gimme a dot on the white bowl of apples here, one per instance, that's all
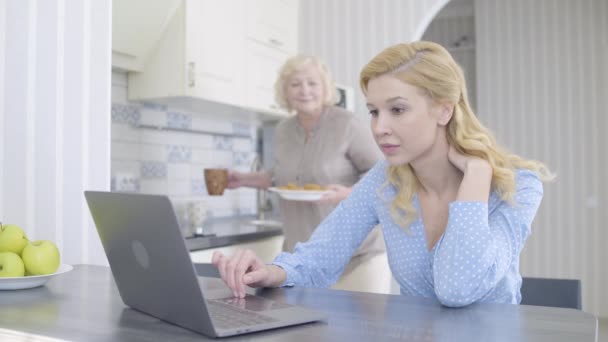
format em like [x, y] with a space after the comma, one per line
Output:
[25, 264]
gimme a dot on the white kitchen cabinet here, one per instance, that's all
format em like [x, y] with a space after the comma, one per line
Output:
[227, 52]
[267, 249]
[274, 23]
[263, 64]
[199, 55]
[272, 37]
[135, 31]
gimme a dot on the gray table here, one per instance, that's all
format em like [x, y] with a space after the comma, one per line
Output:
[84, 305]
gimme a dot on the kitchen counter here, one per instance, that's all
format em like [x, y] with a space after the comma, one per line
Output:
[232, 231]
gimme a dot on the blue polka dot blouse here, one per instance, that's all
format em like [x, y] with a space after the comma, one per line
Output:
[476, 259]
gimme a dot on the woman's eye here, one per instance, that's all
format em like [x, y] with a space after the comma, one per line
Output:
[373, 112]
[398, 110]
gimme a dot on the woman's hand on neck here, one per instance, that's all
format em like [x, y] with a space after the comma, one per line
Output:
[477, 176]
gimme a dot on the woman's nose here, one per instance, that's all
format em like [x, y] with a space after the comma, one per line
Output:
[304, 88]
[381, 125]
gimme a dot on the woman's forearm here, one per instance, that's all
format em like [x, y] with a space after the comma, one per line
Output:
[260, 180]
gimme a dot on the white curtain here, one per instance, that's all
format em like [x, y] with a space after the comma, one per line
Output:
[55, 73]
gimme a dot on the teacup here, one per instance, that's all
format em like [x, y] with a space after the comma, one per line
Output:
[216, 181]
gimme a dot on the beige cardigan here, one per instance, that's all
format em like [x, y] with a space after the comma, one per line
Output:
[339, 150]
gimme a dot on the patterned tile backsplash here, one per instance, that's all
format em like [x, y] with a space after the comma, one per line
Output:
[157, 149]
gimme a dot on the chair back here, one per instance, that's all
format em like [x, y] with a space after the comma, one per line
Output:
[561, 293]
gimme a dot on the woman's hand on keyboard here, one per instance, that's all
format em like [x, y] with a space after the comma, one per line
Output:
[246, 268]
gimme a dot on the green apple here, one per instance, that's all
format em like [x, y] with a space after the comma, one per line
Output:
[40, 257]
[11, 265]
[12, 238]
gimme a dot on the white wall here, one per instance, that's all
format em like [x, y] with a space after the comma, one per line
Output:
[346, 34]
[542, 87]
[55, 119]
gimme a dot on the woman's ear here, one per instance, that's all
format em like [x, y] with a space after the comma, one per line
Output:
[445, 113]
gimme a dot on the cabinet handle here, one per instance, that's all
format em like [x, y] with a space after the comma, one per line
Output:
[275, 42]
[191, 74]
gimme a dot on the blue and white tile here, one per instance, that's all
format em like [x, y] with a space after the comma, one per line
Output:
[178, 187]
[153, 117]
[154, 186]
[242, 168]
[212, 158]
[242, 159]
[196, 171]
[153, 136]
[125, 113]
[153, 152]
[178, 154]
[209, 125]
[124, 132]
[178, 138]
[124, 150]
[243, 145]
[179, 120]
[125, 166]
[153, 169]
[200, 140]
[197, 187]
[125, 182]
[178, 171]
[247, 204]
[240, 128]
[221, 142]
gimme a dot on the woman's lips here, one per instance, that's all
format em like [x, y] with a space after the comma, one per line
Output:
[389, 149]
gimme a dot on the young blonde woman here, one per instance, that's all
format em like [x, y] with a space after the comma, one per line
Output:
[455, 208]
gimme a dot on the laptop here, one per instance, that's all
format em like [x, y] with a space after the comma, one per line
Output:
[155, 275]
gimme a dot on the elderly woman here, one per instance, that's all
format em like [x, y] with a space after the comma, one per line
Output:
[321, 144]
[455, 207]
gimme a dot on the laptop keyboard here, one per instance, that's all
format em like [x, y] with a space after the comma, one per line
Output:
[227, 316]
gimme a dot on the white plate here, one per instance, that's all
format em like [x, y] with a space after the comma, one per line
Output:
[300, 195]
[18, 283]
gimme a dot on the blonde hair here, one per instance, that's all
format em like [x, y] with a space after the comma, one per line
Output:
[296, 63]
[432, 69]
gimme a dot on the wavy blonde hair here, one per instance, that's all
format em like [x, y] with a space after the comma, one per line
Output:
[296, 63]
[432, 69]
